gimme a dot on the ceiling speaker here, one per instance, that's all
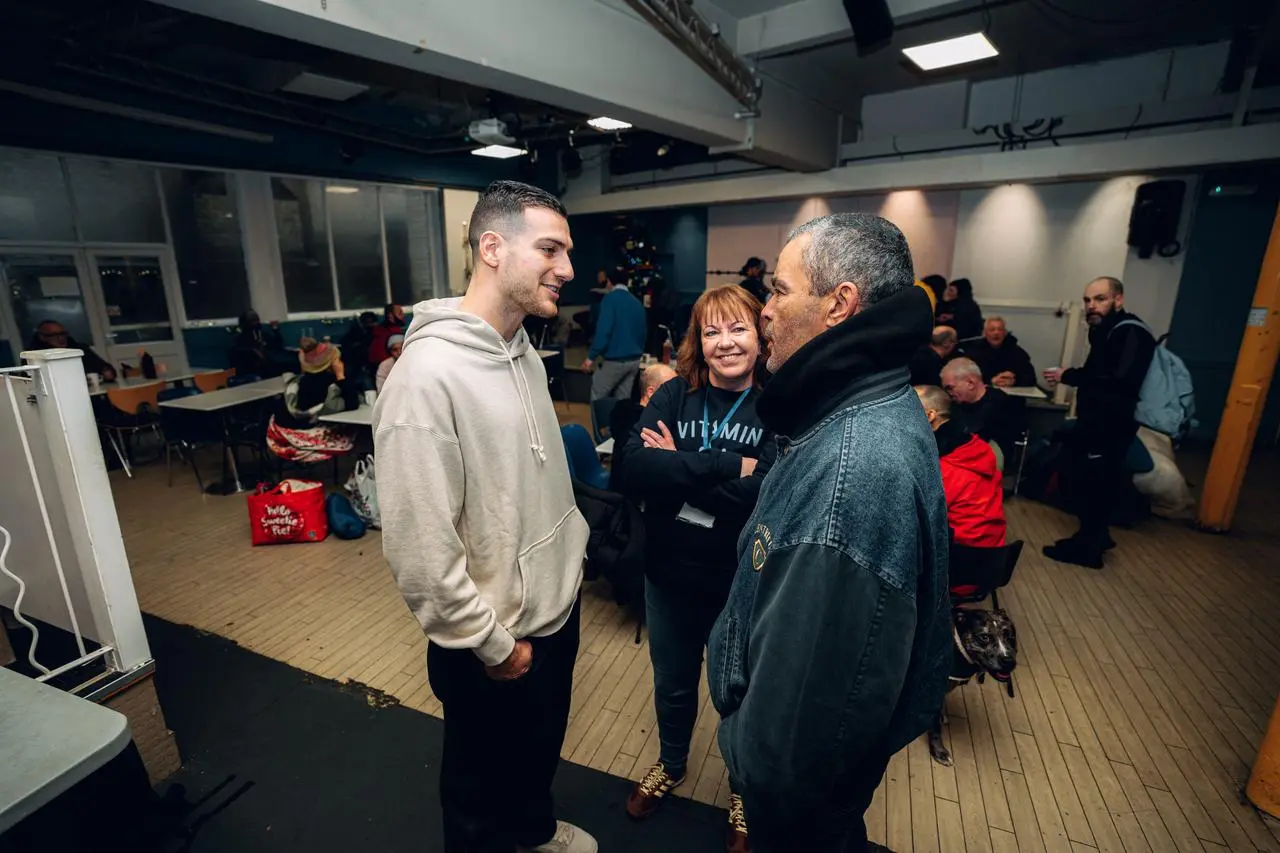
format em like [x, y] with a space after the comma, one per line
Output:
[872, 24]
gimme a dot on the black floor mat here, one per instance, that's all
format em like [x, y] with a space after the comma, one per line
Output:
[276, 759]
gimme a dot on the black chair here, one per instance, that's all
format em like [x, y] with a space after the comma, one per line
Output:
[601, 411]
[984, 569]
[186, 432]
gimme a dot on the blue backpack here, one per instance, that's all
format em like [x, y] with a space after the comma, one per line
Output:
[1167, 399]
[343, 521]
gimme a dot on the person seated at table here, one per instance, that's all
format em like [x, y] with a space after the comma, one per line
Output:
[926, 364]
[51, 334]
[959, 310]
[392, 324]
[1004, 364]
[295, 431]
[985, 411]
[357, 340]
[626, 414]
[258, 350]
[395, 346]
[970, 479]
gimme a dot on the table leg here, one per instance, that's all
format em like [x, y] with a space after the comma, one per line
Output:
[229, 483]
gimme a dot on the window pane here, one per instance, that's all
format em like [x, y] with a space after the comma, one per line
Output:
[357, 246]
[45, 287]
[205, 223]
[304, 245]
[133, 288]
[34, 204]
[116, 202]
[411, 217]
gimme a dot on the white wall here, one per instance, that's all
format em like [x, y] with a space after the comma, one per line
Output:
[737, 232]
[1028, 249]
[458, 205]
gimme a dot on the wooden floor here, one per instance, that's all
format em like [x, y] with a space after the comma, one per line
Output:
[1142, 690]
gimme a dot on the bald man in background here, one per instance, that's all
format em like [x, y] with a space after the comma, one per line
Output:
[627, 412]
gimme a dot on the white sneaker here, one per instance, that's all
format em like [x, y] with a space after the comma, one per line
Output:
[568, 839]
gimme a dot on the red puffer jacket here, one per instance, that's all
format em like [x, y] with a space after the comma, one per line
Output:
[975, 496]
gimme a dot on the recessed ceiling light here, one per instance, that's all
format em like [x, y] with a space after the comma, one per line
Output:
[498, 152]
[341, 190]
[606, 123]
[949, 52]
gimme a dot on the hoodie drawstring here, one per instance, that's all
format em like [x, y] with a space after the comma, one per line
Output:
[526, 402]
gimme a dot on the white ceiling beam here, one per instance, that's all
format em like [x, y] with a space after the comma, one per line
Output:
[597, 58]
[1199, 149]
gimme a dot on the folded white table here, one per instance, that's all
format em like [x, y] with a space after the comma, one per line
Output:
[49, 741]
[362, 416]
[220, 402]
[1028, 391]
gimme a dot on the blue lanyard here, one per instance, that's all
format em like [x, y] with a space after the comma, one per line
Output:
[724, 422]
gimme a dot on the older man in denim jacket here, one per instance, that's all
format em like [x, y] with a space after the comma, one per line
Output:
[833, 650]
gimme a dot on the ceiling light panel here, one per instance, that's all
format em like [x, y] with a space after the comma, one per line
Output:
[950, 52]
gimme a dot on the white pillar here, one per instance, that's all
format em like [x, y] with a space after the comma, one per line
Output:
[80, 471]
[261, 246]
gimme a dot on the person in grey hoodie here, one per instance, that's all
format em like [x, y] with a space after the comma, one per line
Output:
[480, 528]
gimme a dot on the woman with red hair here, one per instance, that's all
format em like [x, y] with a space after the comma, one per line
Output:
[696, 459]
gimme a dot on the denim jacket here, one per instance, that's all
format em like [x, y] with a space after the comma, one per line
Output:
[833, 650]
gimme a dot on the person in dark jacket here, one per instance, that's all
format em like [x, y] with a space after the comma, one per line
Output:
[355, 346]
[926, 365]
[753, 279]
[984, 411]
[1004, 364]
[258, 349]
[51, 334]
[959, 310]
[626, 413]
[970, 478]
[833, 650]
[1107, 389]
[696, 458]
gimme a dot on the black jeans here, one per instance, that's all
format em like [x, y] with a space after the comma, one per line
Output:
[680, 621]
[1100, 480]
[502, 743]
[838, 826]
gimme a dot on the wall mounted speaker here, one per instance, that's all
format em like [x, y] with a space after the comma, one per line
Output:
[1153, 223]
[872, 24]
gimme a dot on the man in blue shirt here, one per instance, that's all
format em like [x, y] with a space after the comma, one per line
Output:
[620, 337]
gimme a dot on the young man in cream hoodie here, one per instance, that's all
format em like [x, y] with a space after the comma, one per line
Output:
[481, 531]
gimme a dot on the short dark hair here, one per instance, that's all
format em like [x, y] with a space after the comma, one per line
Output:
[1117, 286]
[867, 250]
[503, 203]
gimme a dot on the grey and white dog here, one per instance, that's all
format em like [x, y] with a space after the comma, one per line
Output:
[985, 643]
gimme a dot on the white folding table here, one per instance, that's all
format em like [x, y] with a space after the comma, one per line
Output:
[220, 402]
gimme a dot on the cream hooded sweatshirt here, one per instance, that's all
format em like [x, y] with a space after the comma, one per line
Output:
[479, 524]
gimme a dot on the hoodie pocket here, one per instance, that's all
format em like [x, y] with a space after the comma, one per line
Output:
[550, 572]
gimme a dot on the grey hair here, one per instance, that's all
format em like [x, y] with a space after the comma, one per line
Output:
[1117, 286]
[995, 319]
[963, 368]
[935, 398]
[943, 335]
[868, 251]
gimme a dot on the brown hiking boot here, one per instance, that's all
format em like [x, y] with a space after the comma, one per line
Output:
[649, 792]
[735, 838]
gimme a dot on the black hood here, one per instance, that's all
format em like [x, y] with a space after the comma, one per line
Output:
[950, 435]
[822, 374]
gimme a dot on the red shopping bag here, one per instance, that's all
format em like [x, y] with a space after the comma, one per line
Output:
[290, 512]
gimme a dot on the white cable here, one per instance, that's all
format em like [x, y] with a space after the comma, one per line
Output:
[17, 604]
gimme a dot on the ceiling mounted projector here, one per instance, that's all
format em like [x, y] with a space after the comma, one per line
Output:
[490, 131]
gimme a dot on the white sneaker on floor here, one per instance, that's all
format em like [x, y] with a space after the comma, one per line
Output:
[568, 839]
